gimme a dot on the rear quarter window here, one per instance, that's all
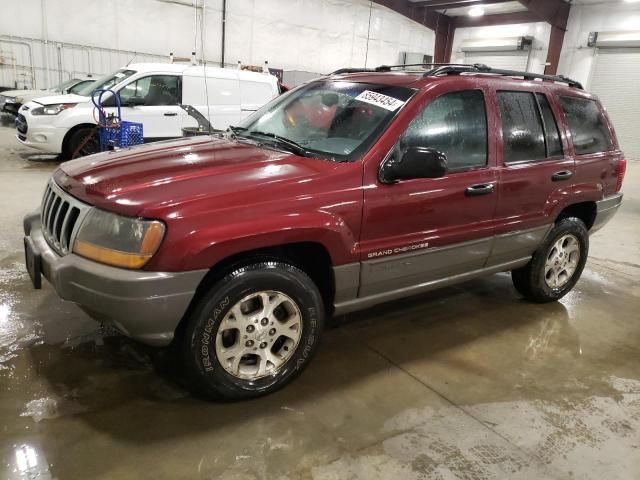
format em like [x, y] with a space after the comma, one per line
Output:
[589, 130]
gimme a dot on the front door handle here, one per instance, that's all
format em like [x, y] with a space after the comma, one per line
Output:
[561, 175]
[170, 114]
[480, 189]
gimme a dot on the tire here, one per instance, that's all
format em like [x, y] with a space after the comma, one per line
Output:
[550, 276]
[78, 145]
[223, 344]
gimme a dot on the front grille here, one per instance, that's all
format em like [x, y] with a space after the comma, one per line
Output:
[61, 216]
[21, 124]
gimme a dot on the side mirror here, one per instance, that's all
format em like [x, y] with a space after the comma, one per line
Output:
[135, 101]
[414, 162]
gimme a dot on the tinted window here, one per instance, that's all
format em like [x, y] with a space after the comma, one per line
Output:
[454, 124]
[522, 129]
[588, 128]
[155, 89]
[552, 136]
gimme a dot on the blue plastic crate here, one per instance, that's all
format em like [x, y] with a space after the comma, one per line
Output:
[115, 132]
[123, 134]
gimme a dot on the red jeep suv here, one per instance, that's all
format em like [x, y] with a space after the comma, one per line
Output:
[346, 192]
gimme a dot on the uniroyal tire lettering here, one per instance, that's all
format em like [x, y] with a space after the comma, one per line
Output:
[206, 336]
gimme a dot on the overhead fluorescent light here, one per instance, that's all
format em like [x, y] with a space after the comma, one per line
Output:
[477, 12]
[632, 1]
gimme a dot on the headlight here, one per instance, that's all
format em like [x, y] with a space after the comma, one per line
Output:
[116, 240]
[52, 109]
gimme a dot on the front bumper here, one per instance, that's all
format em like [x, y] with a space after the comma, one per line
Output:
[146, 306]
[38, 132]
[606, 209]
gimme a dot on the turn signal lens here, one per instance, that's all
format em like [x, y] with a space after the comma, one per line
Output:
[119, 241]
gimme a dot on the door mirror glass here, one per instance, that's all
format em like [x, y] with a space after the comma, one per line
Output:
[414, 162]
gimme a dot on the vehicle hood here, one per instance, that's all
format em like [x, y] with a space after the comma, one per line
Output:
[153, 180]
[22, 93]
[55, 99]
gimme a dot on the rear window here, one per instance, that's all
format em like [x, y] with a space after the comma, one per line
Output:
[588, 128]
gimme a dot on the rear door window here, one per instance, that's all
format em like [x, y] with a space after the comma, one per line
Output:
[589, 130]
[454, 124]
[522, 128]
[551, 133]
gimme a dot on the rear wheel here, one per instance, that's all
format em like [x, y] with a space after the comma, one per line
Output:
[253, 332]
[557, 265]
[82, 142]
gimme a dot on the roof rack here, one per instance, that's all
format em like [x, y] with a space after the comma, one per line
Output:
[458, 68]
[388, 68]
[481, 68]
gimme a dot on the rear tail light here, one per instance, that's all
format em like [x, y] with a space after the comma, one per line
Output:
[622, 168]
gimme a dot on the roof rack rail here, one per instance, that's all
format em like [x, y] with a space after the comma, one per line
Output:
[352, 70]
[453, 69]
[458, 68]
[388, 68]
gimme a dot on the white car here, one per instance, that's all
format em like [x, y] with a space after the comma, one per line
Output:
[12, 100]
[165, 98]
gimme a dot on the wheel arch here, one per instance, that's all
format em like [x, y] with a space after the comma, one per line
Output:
[72, 130]
[311, 257]
[585, 211]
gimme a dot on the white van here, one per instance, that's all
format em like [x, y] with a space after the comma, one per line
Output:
[154, 94]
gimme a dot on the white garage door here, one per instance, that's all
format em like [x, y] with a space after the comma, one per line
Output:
[615, 78]
[506, 60]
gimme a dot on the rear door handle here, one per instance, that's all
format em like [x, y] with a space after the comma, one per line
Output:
[480, 189]
[561, 175]
[170, 114]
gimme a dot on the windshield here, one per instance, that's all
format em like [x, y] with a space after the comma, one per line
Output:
[338, 120]
[107, 81]
[60, 88]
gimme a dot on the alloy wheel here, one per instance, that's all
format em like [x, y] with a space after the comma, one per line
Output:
[562, 261]
[258, 335]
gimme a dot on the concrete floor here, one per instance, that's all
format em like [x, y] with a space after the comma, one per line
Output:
[468, 382]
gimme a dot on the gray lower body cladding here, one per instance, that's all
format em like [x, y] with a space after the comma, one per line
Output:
[368, 283]
[146, 306]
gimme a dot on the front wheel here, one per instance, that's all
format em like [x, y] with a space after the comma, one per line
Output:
[84, 141]
[557, 265]
[253, 332]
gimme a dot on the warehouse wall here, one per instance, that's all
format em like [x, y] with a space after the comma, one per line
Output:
[576, 58]
[539, 31]
[311, 35]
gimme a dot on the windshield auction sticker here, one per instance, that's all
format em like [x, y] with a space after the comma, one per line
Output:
[380, 100]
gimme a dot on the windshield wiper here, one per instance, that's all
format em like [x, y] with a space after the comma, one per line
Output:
[290, 145]
[236, 130]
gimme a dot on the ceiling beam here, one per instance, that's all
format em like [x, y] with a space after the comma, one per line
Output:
[443, 4]
[430, 19]
[554, 12]
[491, 20]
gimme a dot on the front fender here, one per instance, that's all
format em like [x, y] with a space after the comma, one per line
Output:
[208, 246]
